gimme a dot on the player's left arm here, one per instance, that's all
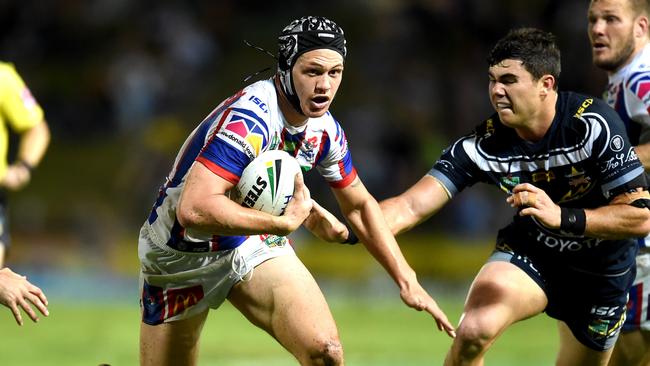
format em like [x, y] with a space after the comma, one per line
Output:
[626, 216]
[363, 213]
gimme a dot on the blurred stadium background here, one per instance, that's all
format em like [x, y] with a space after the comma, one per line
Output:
[122, 84]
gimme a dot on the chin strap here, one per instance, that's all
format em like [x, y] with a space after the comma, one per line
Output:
[292, 98]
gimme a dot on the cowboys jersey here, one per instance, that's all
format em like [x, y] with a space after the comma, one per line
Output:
[584, 160]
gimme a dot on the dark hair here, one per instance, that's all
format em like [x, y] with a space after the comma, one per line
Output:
[535, 48]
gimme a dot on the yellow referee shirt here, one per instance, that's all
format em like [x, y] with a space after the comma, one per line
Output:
[18, 109]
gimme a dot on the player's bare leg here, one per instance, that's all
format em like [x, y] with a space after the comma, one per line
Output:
[283, 299]
[500, 295]
[573, 353]
[2, 255]
[632, 349]
[171, 344]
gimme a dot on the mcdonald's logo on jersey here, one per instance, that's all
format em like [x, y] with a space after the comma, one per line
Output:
[248, 130]
[181, 299]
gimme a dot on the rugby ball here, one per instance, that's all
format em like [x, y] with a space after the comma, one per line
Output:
[267, 182]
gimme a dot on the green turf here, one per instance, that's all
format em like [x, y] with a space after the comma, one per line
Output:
[374, 333]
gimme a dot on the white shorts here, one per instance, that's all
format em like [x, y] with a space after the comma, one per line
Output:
[177, 285]
[637, 306]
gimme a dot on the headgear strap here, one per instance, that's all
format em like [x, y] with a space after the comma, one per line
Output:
[300, 36]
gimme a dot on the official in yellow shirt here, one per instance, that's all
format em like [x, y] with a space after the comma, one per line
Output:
[19, 112]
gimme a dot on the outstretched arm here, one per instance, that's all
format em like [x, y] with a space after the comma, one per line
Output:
[364, 215]
[401, 212]
[415, 205]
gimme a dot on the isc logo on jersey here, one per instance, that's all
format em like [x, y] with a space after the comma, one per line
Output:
[267, 183]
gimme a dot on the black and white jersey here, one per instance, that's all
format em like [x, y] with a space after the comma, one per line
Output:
[584, 160]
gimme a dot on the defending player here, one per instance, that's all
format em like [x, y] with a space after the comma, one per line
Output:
[565, 162]
[618, 31]
[198, 247]
[20, 112]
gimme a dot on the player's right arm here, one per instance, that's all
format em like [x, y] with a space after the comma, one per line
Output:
[204, 205]
[415, 205]
[451, 173]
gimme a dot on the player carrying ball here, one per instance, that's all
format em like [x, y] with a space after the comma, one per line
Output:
[199, 248]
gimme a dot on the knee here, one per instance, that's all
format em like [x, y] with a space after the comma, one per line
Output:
[473, 338]
[326, 352]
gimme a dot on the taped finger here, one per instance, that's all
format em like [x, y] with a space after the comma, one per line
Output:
[525, 198]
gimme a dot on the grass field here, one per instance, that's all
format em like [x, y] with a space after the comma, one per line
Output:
[378, 333]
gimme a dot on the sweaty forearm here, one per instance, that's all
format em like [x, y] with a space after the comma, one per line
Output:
[417, 204]
[396, 215]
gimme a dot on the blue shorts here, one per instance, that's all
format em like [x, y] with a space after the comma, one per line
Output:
[593, 305]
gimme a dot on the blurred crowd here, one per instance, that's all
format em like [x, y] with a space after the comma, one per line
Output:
[123, 82]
